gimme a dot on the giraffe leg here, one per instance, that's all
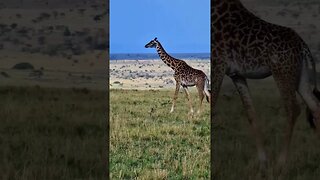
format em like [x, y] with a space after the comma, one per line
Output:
[175, 96]
[217, 72]
[189, 99]
[306, 92]
[293, 110]
[313, 104]
[244, 92]
[287, 86]
[201, 96]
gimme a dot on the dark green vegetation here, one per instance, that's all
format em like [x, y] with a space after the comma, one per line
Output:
[146, 142]
[52, 133]
[234, 146]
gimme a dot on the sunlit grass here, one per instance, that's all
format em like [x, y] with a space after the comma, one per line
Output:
[148, 142]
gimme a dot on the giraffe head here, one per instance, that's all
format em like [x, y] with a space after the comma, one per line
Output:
[152, 44]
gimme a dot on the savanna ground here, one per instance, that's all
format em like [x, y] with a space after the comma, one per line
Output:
[147, 142]
[66, 42]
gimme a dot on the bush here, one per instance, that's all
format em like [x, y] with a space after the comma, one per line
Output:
[23, 66]
[66, 32]
[52, 50]
[13, 25]
[4, 74]
[41, 40]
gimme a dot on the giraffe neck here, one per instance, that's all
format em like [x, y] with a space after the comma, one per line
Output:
[165, 57]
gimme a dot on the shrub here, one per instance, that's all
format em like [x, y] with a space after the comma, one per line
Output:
[66, 32]
[23, 66]
[41, 40]
[13, 25]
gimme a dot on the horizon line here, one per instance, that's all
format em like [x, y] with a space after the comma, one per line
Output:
[156, 53]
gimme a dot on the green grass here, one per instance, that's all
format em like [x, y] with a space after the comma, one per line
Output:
[146, 142]
[234, 147]
[48, 133]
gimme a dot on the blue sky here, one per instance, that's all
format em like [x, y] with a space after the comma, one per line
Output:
[182, 26]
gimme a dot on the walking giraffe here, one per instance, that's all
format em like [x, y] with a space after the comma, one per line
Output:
[184, 75]
[245, 46]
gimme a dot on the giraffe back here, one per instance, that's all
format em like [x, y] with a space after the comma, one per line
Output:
[247, 43]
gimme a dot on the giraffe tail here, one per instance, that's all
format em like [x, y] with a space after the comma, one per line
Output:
[206, 90]
[309, 114]
[315, 92]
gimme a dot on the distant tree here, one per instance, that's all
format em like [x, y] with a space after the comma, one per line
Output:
[282, 13]
[55, 14]
[77, 50]
[95, 6]
[81, 11]
[23, 30]
[101, 46]
[50, 28]
[45, 15]
[67, 32]
[52, 50]
[41, 40]
[23, 65]
[295, 15]
[89, 40]
[4, 74]
[15, 41]
[13, 25]
[97, 17]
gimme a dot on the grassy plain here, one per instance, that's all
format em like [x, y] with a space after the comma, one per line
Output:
[146, 142]
[48, 133]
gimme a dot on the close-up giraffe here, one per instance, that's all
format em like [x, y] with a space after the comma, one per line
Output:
[244, 46]
[184, 75]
